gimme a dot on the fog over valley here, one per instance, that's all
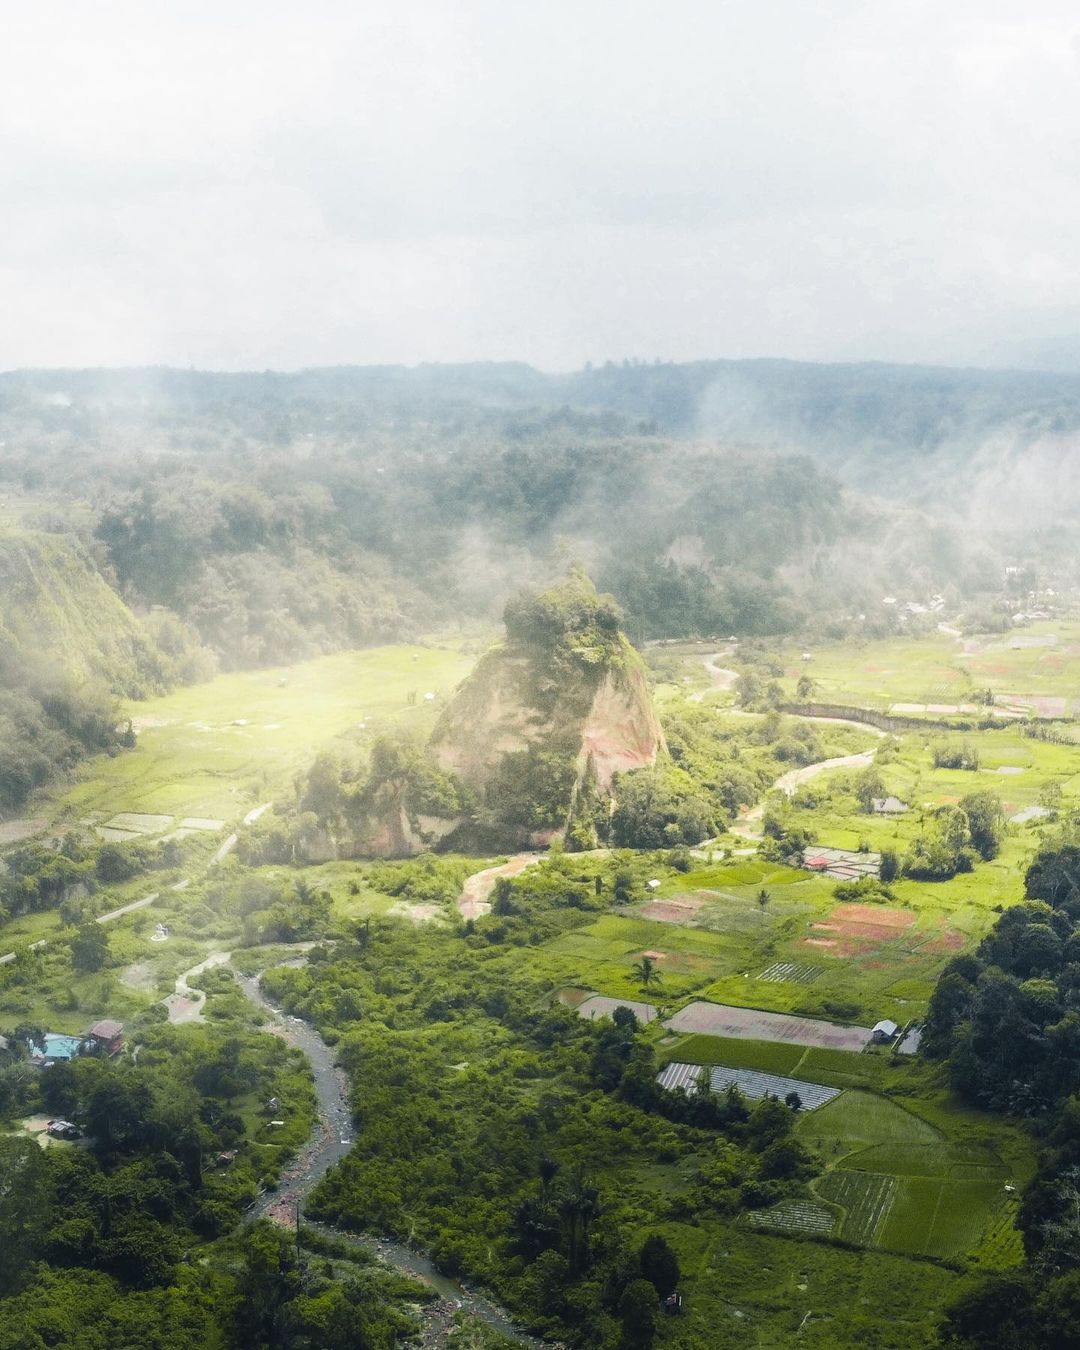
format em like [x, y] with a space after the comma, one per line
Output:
[539, 676]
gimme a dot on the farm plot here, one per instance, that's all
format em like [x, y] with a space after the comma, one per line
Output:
[930, 1217]
[139, 822]
[798, 1217]
[751, 1083]
[600, 1006]
[842, 1069]
[842, 863]
[769, 1056]
[865, 1199]
[790, 972]
[720, 1019]
[861, 1120]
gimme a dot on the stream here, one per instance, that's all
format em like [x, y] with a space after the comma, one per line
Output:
[331, 1138]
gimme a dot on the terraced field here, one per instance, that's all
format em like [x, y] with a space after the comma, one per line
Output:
[865, 1199]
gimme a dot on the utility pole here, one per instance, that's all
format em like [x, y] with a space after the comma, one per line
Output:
[298, 1263]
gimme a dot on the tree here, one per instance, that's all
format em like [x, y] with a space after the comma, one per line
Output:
[115, 863]
[986, 822]
[763, 898]
[868, 786]
[638, 1310]
[23, 1207]
[646, 973]
[659, 1265]
[90, 947]
[804, 690]
[992, 1314]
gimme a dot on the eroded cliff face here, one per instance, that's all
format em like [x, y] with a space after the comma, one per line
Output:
[622, 730]
[599, 717]
[536, 734]
[604, 712]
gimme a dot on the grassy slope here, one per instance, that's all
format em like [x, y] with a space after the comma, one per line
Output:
[195, 759]
[56, 607]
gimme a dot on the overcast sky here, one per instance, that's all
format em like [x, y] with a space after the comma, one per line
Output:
[239, 185]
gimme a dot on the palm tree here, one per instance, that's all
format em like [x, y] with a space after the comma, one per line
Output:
[646, 973]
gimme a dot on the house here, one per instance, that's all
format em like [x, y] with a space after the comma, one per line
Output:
[888, 806]
[884, 1032]
[107, 1036]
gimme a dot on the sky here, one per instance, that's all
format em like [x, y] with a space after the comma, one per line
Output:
[249, 185]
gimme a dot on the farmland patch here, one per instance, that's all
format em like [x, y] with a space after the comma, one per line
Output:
[719, 1019]
[865, 1198]
[804, 1218]
[791, 972]
[751, 1083]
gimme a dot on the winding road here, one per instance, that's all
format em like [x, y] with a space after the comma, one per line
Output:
[789, 783]
[722, 678]
[473, 902]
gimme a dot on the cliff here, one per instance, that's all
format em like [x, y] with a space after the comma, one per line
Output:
[550, 715]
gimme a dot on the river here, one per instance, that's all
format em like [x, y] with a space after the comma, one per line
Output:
[332, 1136]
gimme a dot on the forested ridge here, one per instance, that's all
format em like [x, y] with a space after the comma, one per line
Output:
[247, 520]
[1006, 1022]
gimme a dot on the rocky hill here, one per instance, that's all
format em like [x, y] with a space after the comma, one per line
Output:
[549, 716]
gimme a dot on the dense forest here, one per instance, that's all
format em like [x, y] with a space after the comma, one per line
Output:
[1006, 1022]
[190, 522]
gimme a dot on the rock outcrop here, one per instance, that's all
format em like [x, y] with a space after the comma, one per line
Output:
[548, 717]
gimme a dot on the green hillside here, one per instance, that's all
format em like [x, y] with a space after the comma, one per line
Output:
[68, 647]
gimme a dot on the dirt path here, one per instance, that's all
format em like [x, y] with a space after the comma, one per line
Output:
[789, 783]
[224, 851]
[473, 902]
[722, 678]
[128, 909]
[186, 1004]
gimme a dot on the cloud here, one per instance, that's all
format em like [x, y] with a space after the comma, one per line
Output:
[247, 184]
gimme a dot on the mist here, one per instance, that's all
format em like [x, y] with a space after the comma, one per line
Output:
[244, 186]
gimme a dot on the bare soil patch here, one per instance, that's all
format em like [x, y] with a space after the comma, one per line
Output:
[11, 831]
[416, 914]
[949, 941]
[873, 914]
[669, 911]
[574, 998]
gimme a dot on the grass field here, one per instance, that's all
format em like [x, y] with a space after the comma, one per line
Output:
[941, 668]
[217, 749]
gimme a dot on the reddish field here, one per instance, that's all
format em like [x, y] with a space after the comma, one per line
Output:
[859, 929]
[875, 914]
[834, 947]
[950, 941]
